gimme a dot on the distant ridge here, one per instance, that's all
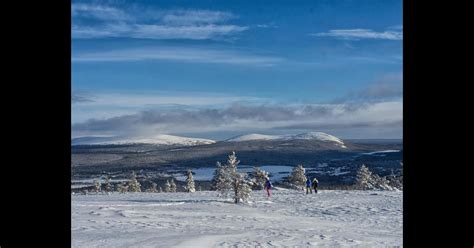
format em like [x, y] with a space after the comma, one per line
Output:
[165, 139]
[161, 139]
[302, 136]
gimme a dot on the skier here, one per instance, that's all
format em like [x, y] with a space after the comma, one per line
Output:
[268, 187]
[315, 185]
[308, 186]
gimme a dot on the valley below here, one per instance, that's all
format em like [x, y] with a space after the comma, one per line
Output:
[332, 163]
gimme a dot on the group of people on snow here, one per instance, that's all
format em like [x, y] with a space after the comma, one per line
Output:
[310, 186]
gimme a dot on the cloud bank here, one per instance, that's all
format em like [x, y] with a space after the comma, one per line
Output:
[373, 111]
[245, 117]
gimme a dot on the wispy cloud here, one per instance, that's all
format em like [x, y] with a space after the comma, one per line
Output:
[108, 21]
[184, 54]
[195, 17]
[160, 32]
[100, 12]
[81, 97]
[357, 34]
[136, 99]
[385, 88]
[396, 27]
[268, 25]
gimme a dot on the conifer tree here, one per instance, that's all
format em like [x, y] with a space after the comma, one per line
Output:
[133, 184]
[260, 177]
[241, 187]
[122, 188]
[167, 186]
[298, 177]
[364, 179]
[239, 184]
[221, 181]
[107, 185]
[172, 185]
[226, 178]
[152, 188]
[381, 183]
[190, 187]
[96, 186]
[395, 181]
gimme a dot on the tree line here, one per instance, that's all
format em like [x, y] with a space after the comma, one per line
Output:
[229, 182]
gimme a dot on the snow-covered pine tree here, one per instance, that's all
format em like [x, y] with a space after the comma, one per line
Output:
[381, 182]
[122, 188]
[260, 177]
[216, 176]
[298, 177]
[227, 178]
[152, 188]
[242, 187]
[107, 185]
[172, 185]
[96, 186]
[167, 186]
[395, 181]
[232, 163]
[221, 181]
[364, 179]
[133, 184]
[190, 187]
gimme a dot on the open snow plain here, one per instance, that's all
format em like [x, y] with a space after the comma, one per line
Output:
[331, 218]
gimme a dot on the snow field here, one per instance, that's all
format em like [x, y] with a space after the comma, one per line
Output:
[289, 218]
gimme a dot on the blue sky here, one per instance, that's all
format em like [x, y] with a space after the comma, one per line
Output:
[175, 60]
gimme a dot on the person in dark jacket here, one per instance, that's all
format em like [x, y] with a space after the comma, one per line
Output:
[268, 187]
[315, 185]
[308, 186]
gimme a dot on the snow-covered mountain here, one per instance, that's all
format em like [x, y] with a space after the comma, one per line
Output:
[161, 139]
[165, 139]
[253, 136]
[302, 136]
[316, 136]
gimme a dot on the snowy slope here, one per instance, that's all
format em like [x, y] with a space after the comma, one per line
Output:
[254, 136]
[201, 219]
[379, 152]
[161, 139]
[164, 139]
[303, 136]
[316, 136]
